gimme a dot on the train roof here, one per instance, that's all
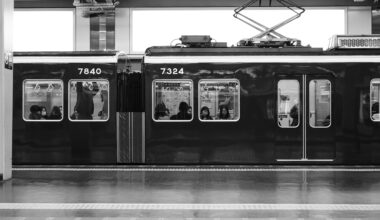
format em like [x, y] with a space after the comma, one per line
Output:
[243, 51]
[68, 57]
[67, 53]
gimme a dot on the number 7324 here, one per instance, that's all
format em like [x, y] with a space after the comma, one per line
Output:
[171, 71]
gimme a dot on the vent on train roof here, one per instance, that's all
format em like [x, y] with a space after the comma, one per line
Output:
[198, 41]
[354, 42]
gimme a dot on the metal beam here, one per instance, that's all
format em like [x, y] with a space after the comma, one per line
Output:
[6, 88]
[190, 3]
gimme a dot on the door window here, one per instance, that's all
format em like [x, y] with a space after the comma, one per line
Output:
[288, 103]
[375, 99]
[320, 103]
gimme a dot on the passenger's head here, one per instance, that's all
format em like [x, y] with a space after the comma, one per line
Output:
[160, 111]
[43, 111]
[35, 109]
[183, 107]
[205, 111]
[223, 112]
[56, 111]
[189, 110]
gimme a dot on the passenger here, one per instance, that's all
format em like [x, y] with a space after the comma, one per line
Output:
[161, 112]
[326, 122]
[190, 110]
[375, 111]
[35, 112]
[103, 114]
[44, 115]
[55, 113]
[182, 114]
[84, 106]
[205, 113]
[294, 115]
[224, 114]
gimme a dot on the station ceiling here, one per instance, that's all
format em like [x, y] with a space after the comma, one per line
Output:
[192, 3]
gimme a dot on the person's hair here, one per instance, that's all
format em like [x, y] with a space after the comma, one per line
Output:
[205, 108]
[35, 108]
[160, 110]
[221, 114]
[55, 111]
[183, 107]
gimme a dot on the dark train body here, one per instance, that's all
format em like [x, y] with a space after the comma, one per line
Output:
[50, 80]
[336, 84]
[265, 106]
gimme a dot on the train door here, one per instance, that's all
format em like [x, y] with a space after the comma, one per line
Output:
[305, 130]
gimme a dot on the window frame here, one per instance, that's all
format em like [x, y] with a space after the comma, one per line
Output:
[23, 100]
[191, 99]
[299, 103]
[319, 127]
[69, 100]
[199, 100]
[370, 99]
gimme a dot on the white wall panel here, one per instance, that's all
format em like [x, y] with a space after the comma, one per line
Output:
[359, 20]
[122, 29]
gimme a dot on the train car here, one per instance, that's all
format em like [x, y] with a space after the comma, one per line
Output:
[247, 105]
[64, 108]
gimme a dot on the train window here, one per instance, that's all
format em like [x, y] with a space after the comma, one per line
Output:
[88, 100]
[43, 100]
[288, 103]
[320, 103]
[219, 100]
[172, 100]
[375, 99]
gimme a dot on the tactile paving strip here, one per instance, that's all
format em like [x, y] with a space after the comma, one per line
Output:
[156, 206]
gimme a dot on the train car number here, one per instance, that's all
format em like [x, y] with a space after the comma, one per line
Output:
[171, 71]
[90, 71]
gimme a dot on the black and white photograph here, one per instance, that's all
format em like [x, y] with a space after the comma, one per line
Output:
[179, 109]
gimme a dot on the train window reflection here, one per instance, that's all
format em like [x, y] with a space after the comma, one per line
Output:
[375, 99]
[88, 100]
[219, 100]
[288, 106]
[172, 100]
[320, 103]
[43, 100]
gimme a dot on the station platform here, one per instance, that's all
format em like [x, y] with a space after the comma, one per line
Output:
[191, 192]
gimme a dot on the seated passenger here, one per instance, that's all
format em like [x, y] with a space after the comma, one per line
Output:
[224, 114]
[190, 110]
[35, 112]
[161, 112]
[205, 113]
[55, 113]
[326, 122]
[375, 111]
[182, 114]
[43, 113]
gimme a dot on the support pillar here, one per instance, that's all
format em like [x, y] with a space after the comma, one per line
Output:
[6, 88]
